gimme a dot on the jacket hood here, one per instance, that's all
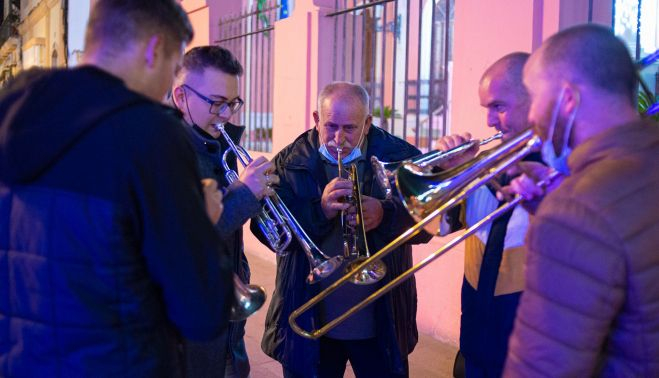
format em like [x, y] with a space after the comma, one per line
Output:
[44, 112]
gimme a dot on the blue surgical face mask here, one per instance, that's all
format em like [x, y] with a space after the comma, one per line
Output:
[559, 161]
[354, 155]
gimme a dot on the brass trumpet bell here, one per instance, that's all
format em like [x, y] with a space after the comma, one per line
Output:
[322, 268]
[368, 275]
[249, 298]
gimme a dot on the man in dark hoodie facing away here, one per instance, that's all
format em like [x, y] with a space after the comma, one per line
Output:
[106, 250]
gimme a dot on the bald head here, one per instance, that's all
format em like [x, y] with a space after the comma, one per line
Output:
[508, 72]
[502, 92]
[591, 55]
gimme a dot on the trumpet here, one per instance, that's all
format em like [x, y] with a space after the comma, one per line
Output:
[276, 220]
[270, 221]
[248, 299]
[385, 171]
[427, 196]
[375, 271]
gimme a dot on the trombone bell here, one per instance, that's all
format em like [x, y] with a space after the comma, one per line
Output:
[422, 192]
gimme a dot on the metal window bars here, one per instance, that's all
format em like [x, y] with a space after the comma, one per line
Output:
[249, 36]
[400, 51]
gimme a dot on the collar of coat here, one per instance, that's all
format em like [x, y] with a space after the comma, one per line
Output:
[204, 141]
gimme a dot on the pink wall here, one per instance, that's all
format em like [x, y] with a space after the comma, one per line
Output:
[198, 13]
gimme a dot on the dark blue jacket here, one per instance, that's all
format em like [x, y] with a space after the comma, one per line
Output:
[303, 178]
[239, 206]
[106, 251]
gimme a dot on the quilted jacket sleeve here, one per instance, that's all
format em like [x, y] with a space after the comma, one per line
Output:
[575, 287]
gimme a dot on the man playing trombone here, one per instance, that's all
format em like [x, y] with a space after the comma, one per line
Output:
[591, 299]
[205, 90]
[494, 258]
[377, 339]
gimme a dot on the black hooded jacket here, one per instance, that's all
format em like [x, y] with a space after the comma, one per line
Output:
[104, 239]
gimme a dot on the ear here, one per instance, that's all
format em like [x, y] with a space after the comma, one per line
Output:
[152, 50]
[571, 99]
[316, 118]
[178, 97]
[367, 124]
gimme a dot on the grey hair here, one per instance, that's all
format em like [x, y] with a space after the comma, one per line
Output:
[345, 88]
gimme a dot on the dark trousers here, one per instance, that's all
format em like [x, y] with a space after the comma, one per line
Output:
[478, 371]
[365, 356]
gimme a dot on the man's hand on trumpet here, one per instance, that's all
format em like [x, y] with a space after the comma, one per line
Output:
[258, 178]
[333, 199]
[528, 174]
[451, 141]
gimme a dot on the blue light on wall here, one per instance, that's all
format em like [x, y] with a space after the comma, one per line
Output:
[283, 10]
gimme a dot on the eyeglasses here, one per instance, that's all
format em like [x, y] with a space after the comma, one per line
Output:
[220, 106]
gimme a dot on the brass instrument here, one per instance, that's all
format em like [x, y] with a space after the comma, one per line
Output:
[249, 298]
[385, 171]
[427, 196]
[276, 216]
[351, 251]
[270, 221]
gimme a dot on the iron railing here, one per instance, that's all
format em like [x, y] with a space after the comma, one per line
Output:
[400, 51]
[249, 36]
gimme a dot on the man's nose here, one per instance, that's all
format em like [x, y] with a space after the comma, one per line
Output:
[493, 118]
[339, 137]
[224, 114]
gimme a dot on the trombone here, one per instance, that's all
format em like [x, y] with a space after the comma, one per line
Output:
[385, 171]
[277, 222]
[427, 196]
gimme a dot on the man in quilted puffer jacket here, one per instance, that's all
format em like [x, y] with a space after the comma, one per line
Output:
[591, 302]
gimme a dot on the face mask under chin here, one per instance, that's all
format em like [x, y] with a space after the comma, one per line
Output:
[352, 156]
[549, 155]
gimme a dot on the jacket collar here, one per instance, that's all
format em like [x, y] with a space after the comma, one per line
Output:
[617, 141]
[205, 142]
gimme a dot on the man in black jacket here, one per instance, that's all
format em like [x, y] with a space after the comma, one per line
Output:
[206, 91]
[106, 250]
[377, 339]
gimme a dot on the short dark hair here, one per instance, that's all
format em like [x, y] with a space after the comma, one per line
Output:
[219, 58]
[593, 54]
[509, 69]
[114, 23]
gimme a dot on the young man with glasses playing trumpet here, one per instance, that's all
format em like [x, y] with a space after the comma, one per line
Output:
[377, 339]
[206, 91]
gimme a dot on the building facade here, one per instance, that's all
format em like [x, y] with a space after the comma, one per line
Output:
[10, 53]
[42, 31]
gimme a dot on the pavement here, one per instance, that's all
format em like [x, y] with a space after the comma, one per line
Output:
[430, 359]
